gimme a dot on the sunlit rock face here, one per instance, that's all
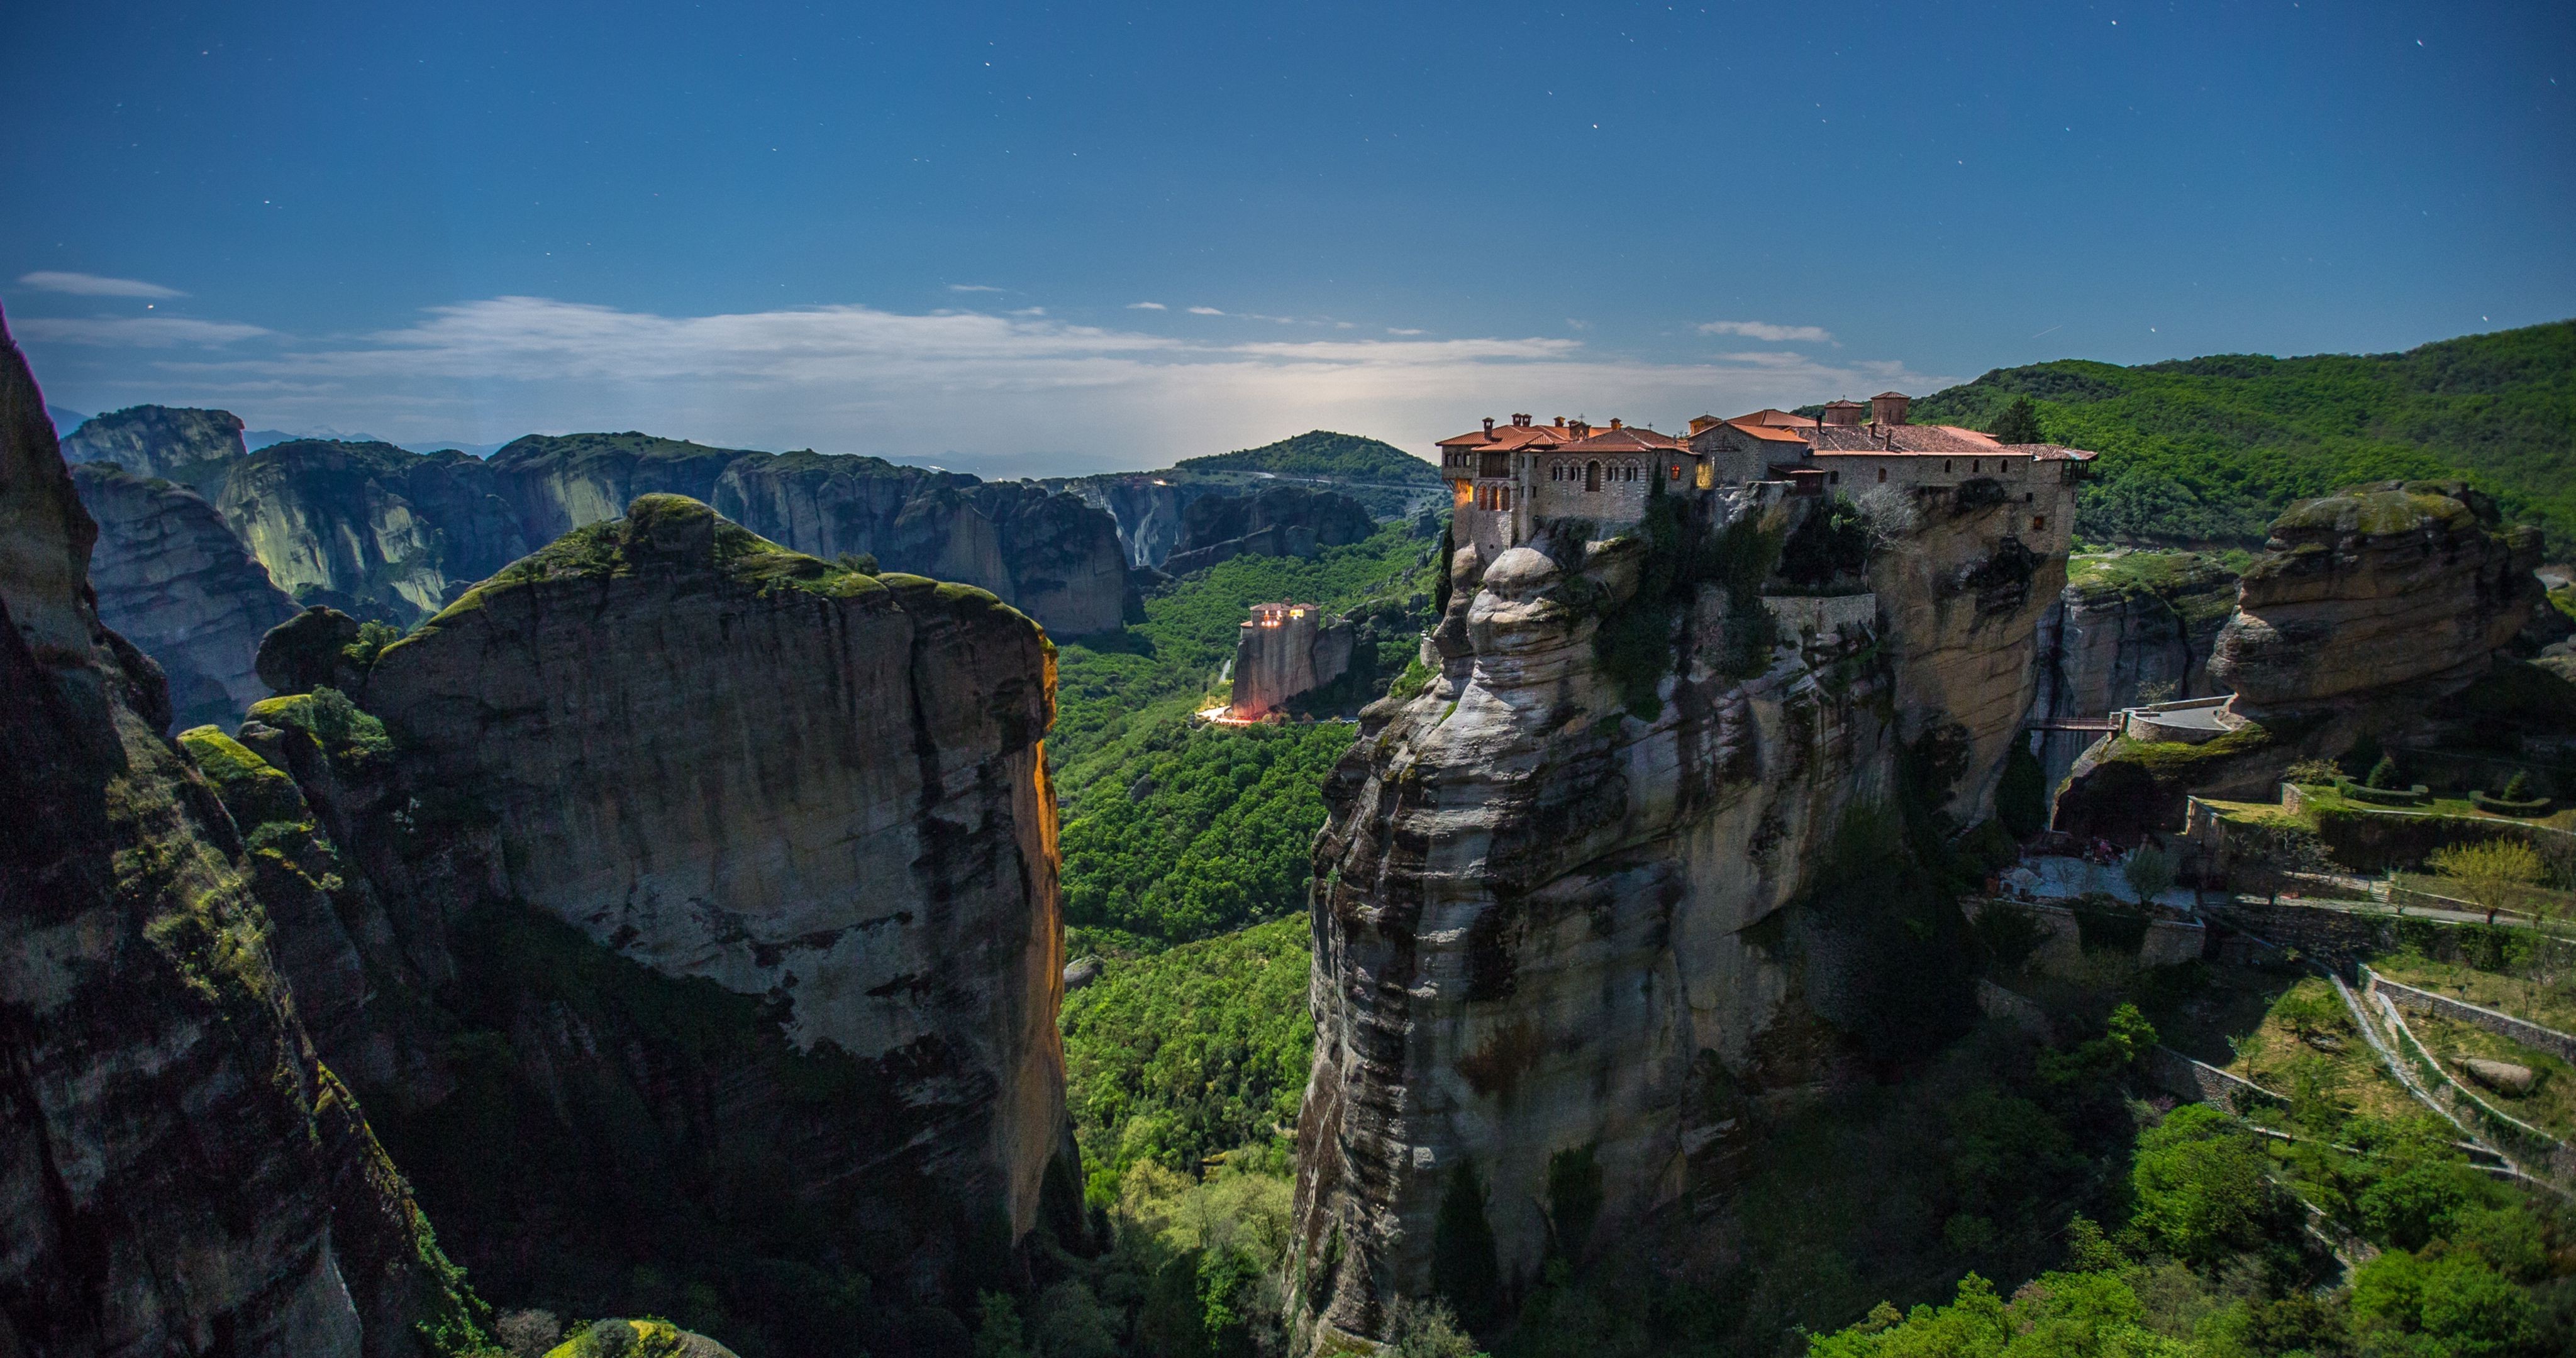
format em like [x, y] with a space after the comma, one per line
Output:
[177, 1173]
[374, 530]
[173, 442]
[825, 789]
[172, 579]
[2383, 585]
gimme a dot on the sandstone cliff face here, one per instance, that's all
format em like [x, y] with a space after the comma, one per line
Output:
[2371, 613]
[177, 1173]
[172, 579]
[1278, 521]
[1961, 601]
[737, 869]
[1049, 555]
[2382, 585]
[370, 528]
[1553, 939]
[193, 447]
[384, 533]
[1148, 509]
[2124, 630]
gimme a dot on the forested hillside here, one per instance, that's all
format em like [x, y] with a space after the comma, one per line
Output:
[2209, 450]
[1175, 831]
[1319, 452]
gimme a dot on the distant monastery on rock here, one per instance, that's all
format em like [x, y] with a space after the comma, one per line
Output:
[1506, 478]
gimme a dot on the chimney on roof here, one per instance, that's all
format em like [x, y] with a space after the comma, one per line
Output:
[1560, 421]
[1888, 407]
[1614, 423]
[1489, 426]
[1842, 412]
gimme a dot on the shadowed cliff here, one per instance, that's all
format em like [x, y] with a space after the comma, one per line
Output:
[178, 1174]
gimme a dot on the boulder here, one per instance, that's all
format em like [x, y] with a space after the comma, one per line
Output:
[2504, 1077]
[2388, 584]
[310, 651]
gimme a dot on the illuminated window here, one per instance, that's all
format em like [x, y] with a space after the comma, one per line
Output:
[2038, 523]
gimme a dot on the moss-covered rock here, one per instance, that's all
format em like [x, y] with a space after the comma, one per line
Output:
[637, 1339]
[2382, 585]
[310, 651]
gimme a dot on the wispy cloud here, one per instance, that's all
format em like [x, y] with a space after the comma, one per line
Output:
[1147, 306]
[136, 332]
[969, 384]
[1769, 333]
[1205, 311]
[1400, 330]
[972, 287]
[94, 285]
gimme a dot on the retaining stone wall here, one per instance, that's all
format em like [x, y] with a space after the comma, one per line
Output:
[2529, 1034]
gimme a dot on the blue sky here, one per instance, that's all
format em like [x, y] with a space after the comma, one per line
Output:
[1017, 239]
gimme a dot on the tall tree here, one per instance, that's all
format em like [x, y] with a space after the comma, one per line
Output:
[2019, 423]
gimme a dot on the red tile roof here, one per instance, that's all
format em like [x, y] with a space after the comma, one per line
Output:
[1768, 433]
[1627, 439]
[1938, 440]
[1510, 437]
[1775, 419]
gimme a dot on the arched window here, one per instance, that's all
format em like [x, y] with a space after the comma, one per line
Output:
[1505, 503]
[1628, 472]
[1882, 475]
[1591, 476]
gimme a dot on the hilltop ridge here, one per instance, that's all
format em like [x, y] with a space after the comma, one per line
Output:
[2210, 450]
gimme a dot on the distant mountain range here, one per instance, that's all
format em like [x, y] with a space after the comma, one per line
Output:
[256, 439]
[2210, 450]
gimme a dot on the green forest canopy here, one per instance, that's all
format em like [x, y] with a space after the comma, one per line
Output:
[1189, 1052]
[1172, 830]
[1319, 452]
[2209, 450]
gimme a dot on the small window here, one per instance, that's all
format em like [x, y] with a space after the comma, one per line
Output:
[1507, 499]
[2027, 497]
[2039, 523]
[1945, 466]
[1882, 476]
[1835, 478]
